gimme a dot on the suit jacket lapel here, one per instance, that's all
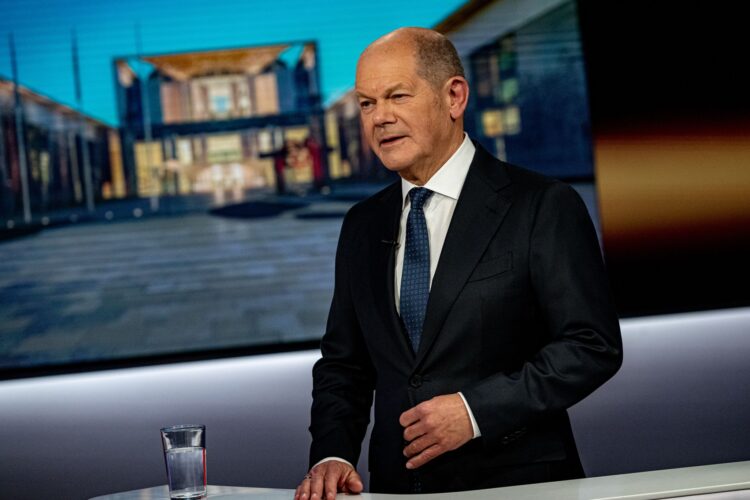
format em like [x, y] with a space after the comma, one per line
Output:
[383, 269]
[481, 208]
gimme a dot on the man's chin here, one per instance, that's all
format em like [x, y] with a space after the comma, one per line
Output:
[393, 162]
[395, 166]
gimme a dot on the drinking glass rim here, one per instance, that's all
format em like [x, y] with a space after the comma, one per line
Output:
[183, 427]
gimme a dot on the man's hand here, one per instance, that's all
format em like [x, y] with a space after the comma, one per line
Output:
[434, 427]
[326, 479]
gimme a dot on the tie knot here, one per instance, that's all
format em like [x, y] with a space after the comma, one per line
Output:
[419, 196]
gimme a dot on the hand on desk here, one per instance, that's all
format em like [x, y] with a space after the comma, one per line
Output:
[434, 427]
[326, 479]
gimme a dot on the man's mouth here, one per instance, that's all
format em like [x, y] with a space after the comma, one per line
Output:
[388, 141]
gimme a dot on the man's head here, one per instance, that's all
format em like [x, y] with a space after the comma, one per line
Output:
[412, 94]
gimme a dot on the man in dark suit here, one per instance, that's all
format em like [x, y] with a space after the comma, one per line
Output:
[470, 297]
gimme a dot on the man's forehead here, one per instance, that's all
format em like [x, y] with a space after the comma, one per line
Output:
[379, 79]
[385, 57]
[382, 66]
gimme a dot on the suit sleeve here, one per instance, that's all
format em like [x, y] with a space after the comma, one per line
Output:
[343, 379]
[584, 346]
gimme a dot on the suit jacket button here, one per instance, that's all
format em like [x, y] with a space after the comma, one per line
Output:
[416, 381]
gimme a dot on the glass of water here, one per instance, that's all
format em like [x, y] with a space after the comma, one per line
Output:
[185, 457]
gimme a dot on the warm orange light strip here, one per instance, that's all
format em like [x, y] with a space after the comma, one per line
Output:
[664, 190]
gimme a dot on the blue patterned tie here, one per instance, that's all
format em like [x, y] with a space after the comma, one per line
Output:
[415, 277]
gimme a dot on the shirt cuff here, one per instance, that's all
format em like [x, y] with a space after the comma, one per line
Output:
[474, 426]
[326, 459]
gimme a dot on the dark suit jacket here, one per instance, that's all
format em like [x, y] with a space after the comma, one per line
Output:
[519, 319]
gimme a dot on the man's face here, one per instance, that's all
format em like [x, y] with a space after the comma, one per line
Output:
[406, 120]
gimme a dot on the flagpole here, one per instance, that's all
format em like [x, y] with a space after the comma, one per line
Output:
[20, 135]
[87, 180]
[146, 111]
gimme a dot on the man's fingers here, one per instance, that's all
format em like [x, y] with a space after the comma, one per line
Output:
[316, 486]
[414, 431]
[353, 483]
[328, 478]
[442, 424]
[418, 445]
[303, 490]
[409, 417]
[425, 456]
[331, 483]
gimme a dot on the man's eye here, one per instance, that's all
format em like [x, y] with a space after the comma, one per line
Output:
[365, 104]
[399, 97]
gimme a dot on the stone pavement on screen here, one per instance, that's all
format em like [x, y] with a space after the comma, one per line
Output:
[157, 285]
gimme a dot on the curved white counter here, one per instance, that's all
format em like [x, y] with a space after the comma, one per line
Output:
[729, 481]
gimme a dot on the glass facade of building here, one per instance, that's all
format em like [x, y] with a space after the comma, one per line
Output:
[53, 137]
[528, 101]
[529, 104]
[223, 122]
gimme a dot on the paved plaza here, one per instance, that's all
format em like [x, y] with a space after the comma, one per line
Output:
[164, 284]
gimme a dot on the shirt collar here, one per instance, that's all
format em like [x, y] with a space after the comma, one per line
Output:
[449, 179]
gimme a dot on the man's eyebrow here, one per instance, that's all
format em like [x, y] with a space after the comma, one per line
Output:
[388, 91]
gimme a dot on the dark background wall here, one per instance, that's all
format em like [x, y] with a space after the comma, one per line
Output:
[670, 115]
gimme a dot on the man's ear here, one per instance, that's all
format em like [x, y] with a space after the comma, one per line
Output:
[458, 96]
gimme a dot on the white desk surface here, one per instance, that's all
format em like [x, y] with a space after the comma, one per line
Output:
[729, 481]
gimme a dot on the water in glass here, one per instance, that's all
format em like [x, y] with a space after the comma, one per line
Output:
[186, 469]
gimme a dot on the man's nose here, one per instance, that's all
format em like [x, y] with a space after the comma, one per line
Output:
[383, 115]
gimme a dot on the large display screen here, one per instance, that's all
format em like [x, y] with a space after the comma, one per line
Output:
[173, 175]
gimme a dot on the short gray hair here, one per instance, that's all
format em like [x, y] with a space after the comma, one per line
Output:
[436, 57]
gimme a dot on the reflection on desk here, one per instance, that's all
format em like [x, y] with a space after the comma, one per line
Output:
[214, 492]
[729, 481]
